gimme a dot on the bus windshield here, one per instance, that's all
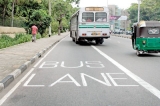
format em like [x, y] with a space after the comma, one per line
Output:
[100, 16]
[87, 17]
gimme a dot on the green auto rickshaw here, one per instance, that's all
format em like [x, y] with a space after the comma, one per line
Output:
[146, 37]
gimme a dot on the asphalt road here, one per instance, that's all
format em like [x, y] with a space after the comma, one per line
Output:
[88, 75]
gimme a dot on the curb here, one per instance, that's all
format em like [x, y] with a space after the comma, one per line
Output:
[129, 37]
[10, 78]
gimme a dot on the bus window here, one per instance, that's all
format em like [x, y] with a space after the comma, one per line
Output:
[101, 16]
[87, 17]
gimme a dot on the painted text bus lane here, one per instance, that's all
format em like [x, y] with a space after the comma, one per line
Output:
[107, 79]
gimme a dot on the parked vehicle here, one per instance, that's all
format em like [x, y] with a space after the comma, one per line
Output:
[128, 33]
[146, 37]
[118, 31]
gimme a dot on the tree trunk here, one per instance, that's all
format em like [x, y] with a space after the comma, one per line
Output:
[59, 28]
[12, 13]
[4, 12]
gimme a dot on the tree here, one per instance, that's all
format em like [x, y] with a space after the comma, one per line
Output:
[149, 11]
[133, 12]
[41, 19]
[28, 10]
[13, 2]
[5, 8]
[60, 10]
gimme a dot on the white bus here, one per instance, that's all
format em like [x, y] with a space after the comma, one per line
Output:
[91, 24]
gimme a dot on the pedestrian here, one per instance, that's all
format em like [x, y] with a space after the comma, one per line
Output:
[34, 32]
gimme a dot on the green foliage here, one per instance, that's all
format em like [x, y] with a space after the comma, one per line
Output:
[41, 19]
[27, 12]
[38, 36]
[6, 41]
[149, 10]
[62, 11]
[133, 13]
[65, 25]
[54, 26]
[5, 10]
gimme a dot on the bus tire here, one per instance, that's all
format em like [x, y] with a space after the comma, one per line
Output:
[101, 41]
[70, 34]
[76, 40]
[97, 41]
[73, 39]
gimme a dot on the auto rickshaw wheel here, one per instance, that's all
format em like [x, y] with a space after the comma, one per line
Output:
[137, 53]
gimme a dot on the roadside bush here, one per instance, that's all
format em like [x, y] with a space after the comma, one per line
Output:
[38, 36]
[21, 38]
[6, 41]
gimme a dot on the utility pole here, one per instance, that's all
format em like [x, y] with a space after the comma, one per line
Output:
[49, 5]
[139, 1]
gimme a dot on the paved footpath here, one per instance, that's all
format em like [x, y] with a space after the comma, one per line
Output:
[16, 59]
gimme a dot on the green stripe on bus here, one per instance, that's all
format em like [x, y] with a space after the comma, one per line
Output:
[92, 26]
[102, 26]
[86, 26]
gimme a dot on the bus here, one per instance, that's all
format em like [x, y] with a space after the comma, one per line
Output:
[91, 24]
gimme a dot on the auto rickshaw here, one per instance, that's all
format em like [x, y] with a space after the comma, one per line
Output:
[146, 37]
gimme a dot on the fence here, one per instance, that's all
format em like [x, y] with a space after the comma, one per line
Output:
[17, 22]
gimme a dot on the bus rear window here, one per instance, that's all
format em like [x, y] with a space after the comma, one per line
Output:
[100, 16]
[87, 17]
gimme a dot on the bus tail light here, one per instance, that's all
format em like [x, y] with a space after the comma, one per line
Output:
[84, 34]
[104, 34]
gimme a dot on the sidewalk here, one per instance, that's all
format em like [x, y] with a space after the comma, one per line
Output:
[16, 59]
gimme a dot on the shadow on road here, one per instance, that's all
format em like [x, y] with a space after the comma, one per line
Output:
[86, 43]
[147, 55]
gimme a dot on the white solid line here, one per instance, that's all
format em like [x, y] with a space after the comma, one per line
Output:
[15, 87]
[29, 79]
[48, 53]
[143, 83]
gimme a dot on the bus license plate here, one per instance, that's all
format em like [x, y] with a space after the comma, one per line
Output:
[95, 33]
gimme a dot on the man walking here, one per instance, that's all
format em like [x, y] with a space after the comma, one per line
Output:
[34, 32]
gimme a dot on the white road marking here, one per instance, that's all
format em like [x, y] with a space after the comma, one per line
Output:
[81, 65]
[29, 79]
[94, 63]
[106, 81]
[19, 83]
[143, 83]
[114, 82]
[55, 64]
[49, 64]
[15, 87]
[48, 52]
[72, 80]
